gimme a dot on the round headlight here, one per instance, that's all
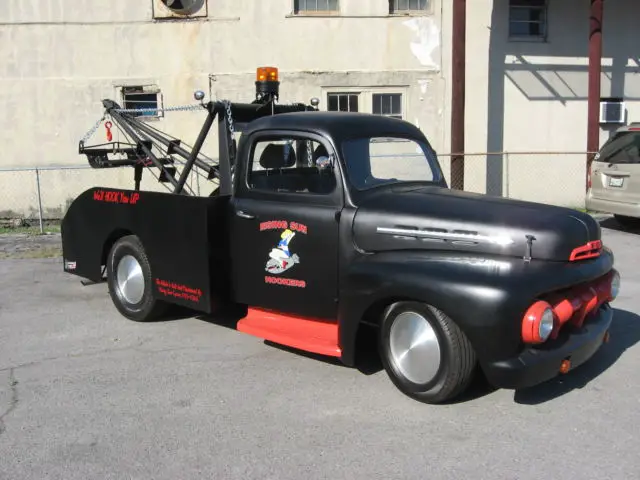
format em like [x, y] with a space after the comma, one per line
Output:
[537, 323]
[615, 285]
[545, 327]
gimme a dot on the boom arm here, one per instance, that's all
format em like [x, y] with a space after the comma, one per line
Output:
[143, 138]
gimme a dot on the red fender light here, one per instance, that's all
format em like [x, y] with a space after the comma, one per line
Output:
[538, 322]
[589, 250]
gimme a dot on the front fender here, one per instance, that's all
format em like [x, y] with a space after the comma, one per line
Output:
[485, 296]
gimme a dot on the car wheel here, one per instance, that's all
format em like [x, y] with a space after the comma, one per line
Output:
[424, 352]
[130, 281]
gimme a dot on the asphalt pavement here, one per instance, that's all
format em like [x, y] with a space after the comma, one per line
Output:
[86, 394]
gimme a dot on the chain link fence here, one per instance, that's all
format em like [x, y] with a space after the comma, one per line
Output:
[40, 196]
[555, 178]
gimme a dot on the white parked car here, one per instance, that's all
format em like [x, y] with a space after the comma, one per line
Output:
[614, 179]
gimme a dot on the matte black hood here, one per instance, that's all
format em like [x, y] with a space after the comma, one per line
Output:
[436, 218]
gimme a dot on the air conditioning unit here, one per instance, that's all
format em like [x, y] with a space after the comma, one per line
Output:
[172, 9]
[612, 111]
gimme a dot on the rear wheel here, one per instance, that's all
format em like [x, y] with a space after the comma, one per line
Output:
[130, 281]
[425, 354]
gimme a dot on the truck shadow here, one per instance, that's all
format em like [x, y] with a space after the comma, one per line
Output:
[367, 358]
[625, 333]
[611, 223]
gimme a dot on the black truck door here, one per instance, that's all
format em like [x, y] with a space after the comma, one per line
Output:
[284, 225]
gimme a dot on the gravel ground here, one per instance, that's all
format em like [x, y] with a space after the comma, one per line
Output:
[29, 246]
[86, 394]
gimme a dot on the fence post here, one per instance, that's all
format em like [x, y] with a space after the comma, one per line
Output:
[39, 200]
[506, 174]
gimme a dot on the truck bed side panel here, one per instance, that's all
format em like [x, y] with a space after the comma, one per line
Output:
[183, 236]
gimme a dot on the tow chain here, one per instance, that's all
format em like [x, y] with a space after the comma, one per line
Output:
[232, 152]
[227, 105]
[180, 108]
[92, 130]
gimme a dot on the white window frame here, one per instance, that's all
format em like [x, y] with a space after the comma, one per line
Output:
[148, 89]
[421, 11]
[301, 13]
[528, 38]
[365, 96]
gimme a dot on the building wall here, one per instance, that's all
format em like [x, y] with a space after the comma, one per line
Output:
[59, 58]
[531, 95]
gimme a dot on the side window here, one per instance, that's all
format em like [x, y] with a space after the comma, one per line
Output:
[291, 165]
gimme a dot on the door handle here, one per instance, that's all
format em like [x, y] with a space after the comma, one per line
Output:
[242, 214]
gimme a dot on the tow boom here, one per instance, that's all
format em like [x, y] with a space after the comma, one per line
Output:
[148, 147]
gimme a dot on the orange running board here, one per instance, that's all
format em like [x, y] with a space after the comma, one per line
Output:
[316, 336]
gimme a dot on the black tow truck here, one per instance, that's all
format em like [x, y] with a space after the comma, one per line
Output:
[319, 225]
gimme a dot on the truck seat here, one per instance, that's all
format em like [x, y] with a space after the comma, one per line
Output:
[279, 176]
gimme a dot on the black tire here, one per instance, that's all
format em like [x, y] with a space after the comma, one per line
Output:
[457, 360]
[147, 308]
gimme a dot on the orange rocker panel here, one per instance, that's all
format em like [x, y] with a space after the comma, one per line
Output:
[317, 336]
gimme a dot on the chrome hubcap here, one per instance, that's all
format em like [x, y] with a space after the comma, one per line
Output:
[129, 279]
[414, 347]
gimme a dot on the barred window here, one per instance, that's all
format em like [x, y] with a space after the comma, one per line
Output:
[315, 6]
[407, 5]
[342, 102]
[528, 19]
[387, 104]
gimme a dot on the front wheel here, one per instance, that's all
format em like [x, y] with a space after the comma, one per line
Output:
[130, 281]
[424, 352]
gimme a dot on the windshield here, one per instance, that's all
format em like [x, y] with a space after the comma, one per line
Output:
[623, 148]
[374, 161]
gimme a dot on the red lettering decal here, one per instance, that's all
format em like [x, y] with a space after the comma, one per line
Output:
[112, 196]
[287, 282]
[298, 227]
[283, 225]
[177, 290]
[274, 225]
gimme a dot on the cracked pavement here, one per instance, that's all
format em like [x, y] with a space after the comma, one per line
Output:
[12, 393]
[86, 394]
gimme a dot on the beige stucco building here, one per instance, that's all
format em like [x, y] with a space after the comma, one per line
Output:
[527, 87]
[59, 58]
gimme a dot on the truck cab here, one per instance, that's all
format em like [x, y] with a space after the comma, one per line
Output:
[300, 180]
[325, 223]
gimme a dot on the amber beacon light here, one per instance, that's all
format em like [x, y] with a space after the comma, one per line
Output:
[267, 74]
[267, 83]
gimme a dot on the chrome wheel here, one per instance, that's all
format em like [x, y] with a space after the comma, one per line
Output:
[130, 279]
[414, 347]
